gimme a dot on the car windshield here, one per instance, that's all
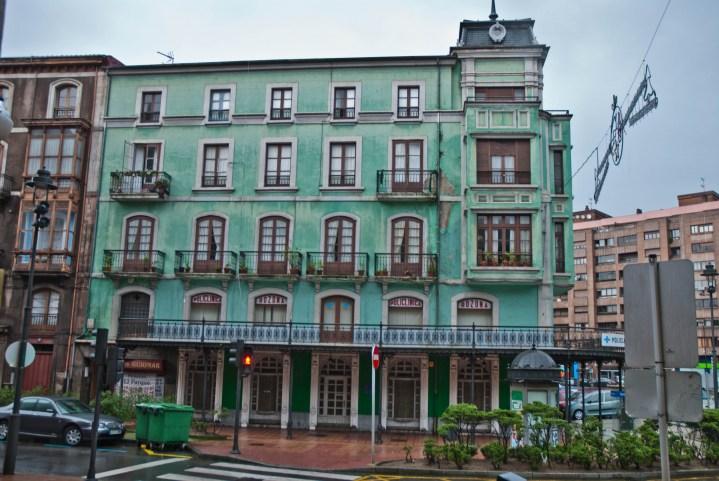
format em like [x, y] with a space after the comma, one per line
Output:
[72, 406]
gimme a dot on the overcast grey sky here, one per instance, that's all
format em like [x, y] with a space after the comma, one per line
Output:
[596, 47]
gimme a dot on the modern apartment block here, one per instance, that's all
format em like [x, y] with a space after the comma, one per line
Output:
[315, 207]
[57, 106]
[604, 244]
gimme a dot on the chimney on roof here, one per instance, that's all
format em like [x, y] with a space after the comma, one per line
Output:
[493, 16]
[639, 211]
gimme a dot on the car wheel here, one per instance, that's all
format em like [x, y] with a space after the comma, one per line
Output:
[578, 415]
[3, 430]
[72, 435]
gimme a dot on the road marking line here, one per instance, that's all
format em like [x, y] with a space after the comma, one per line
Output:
[150, 452]
[181, 477]
[243, 474]
[295, 472]
[137, 467]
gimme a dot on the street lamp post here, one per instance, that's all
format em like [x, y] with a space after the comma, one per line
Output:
[710, 273]
[41, 186]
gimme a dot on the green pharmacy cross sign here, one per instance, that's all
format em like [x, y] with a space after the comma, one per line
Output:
[620, 121]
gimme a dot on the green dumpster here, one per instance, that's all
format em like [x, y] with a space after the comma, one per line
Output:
[163, 424]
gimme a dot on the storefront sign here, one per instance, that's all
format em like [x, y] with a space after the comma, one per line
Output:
[149, 385]
[271, 300]
[474, 303]
[206, 298]
[146, 365]
[410, 302]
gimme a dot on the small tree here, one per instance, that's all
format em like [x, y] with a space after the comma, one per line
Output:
[459, 422]
[504, 423]
[545, 420]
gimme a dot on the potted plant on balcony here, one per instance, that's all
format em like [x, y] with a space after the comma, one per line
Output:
[107, 262]
[146, 264]
[242, 268]
[162, 186]
[228, 269]
[295, 266]
[432, 269]
[310, 268]
[483, 259]
[381, 272]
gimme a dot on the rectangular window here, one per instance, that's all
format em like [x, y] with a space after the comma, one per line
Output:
[558, 172]
[606, 276]
[214, 165]
[151, 102]
[608, 292]
[561, 312]
[675, 234]
[498, 94]
[581, 277]
[652, 252]
[408, 102]
[503, 162]
[344, 107]
[505, 239]
[704, 303]
[342, 164]
[559, 246]
[702, 228]
[701, 265]
[610, 309]
[581, 309]
[580, 246]
[700, 285]
[278, 165]
[59, 236]
[627, 240]
[578, 261]
[504, 118]
[608, 259]
[59, 150]
[609, 242]
[281, 108]
[651, 234]
[675, 252]
[700, 247]
[628, 257]
[219, 105]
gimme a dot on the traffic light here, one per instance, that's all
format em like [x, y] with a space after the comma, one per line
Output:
[247, 360]
[235, 353]
[115, 366]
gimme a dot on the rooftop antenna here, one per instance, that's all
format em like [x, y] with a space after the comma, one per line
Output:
[493, 16]
[170, 56]
[701, 183]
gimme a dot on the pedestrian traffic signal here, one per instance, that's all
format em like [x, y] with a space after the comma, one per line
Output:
[247, 359]
[235, 353]
[115, 366]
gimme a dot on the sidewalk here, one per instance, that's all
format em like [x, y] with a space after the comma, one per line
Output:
[38, 477]
[312, 449]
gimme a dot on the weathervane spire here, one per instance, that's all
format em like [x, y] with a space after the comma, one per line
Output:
[493, 16]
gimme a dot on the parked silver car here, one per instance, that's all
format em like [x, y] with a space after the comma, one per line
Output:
[59, 417]
[611, 406]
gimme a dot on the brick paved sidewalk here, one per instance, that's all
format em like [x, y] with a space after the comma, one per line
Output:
[38, 477]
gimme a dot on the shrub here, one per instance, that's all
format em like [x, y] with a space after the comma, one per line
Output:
[622, 448]
[408, 453]
[545, 420]
[711, 453]
[459, 423]
[122, 407]
[532, 455]
[679, 450]
[581, 454]
[459, 453]
[504, 423]
[429, 451]
[6, 396]
[494, 453]
[559, 454]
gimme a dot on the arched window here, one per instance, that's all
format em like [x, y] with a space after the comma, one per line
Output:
[339, 245]
[274, 244]
[407, 240]
[139, 236]
[270, 308]
[337, 319]
[65, 101]
[474, 311]
[205, 305]
[45, 307]
[210, 244]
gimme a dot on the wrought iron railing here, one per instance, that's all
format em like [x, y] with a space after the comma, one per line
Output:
[149, 117]
[7, 184]
[138, 182]
[504, 99]
[43, 321]
[342, 180]
[275, 180]
[344, 113]
[337, 264]
[503, 177]
[212, 180]
[463, 337]
[510, 259]
[280, 114]
[64, 113]
[409, 181]
[53, 261]
[148, 262]
[205, 262]
[408, 112]
[270, 263]
[419, 266]
[219, 115]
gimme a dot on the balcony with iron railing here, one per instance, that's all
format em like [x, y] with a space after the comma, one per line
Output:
[133, 263]
[411, 184]
[43, 324]
[444, 338]
[350, 265]
[214, 180]
[51, 262]
[344, 113]
[7, 184]
[63, 112]
[149, 117]
[503, 177]
[280, 114]
[509, 259]
[139, 185]
[410, 267]
[205, 263]
[270, 264]
[277, 180]
[218, 116]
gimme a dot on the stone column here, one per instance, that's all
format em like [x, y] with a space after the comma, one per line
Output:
[314, 390]
[424, 393]
[219, 379]
[453, 378]
[182, 358]
[354, 398]
[286, 366]
[494, 366]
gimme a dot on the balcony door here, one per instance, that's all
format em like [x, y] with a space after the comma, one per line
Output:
[145, 161]
[267, 390]
[407, 246]
[403, 392]
[335, 393]
[209, 244]
[339, 246]
[274, 246]
[337, 319]
[139, 232]
[479, 381]
[134, 315]
[407, 166]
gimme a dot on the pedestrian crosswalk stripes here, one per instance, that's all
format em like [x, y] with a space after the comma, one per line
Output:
[234, 471]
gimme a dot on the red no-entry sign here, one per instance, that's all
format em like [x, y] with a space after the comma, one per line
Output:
[375, 356]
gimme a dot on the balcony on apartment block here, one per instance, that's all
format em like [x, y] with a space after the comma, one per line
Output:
[46, 263]
[407, 184]
[139, 185]
[503, 177]
[337, 265]
[407, 267]
[7, 184]
[133, 263]
[270, 264]
[460, 338]
[43, 324]
[206, 264]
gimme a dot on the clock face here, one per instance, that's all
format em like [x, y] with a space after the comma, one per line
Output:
[497, 32]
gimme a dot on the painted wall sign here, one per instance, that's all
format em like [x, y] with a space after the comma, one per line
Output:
[146, 365]
[206, 298]
[405, 302]
[271, 300]
[474, 303]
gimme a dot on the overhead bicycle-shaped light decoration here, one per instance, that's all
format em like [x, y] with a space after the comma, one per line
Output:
[650, 101]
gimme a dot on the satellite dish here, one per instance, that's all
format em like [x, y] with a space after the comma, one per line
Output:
[12, 351]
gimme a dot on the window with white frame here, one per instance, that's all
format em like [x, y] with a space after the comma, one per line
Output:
[65, 101]
[408, 104]
[45, 307]
[215, 165]
[343, 162]
[474, 311]
[278, 165]
[270, 308]
[150, 106]
[219, 105]
[707, 228]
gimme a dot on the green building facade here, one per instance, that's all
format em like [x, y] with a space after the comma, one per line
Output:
[315, 207]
